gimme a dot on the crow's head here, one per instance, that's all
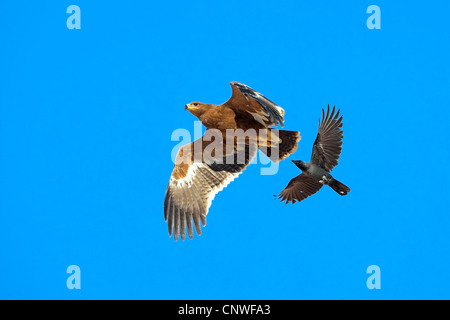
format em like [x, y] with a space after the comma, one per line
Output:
[300, 164]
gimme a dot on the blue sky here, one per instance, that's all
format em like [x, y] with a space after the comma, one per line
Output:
[86, 118]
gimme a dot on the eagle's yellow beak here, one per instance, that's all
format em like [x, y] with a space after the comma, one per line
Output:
[190, 106]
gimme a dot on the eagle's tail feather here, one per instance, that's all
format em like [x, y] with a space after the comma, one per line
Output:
[339, 187]
[282, 150]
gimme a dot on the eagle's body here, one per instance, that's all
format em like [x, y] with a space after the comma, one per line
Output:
[240, 111]
[325, 155]
[199, 174]
[218, 117]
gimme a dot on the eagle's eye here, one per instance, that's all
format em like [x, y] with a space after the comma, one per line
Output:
[195, 104]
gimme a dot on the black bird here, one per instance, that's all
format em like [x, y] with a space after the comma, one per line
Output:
[325, 156]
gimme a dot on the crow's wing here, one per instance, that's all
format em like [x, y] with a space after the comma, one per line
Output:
[328, 145]
[299, 188]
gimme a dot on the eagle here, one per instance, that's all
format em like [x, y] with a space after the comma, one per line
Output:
[235, 130]
[325, 156]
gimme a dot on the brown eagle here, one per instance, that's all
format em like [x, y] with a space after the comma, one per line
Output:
[207, 165]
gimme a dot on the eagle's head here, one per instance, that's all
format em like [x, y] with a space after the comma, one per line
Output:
[196, 108]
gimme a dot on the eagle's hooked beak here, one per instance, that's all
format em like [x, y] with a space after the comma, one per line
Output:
[191, 106]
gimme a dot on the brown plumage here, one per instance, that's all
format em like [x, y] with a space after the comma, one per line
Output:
[199, 174]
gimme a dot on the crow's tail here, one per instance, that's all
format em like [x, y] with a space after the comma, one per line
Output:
[339, 187]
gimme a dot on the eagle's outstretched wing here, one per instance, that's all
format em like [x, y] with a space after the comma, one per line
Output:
[328, 144]
[196, 178]
[246, 102]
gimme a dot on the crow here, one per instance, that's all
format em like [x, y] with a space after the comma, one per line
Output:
[325, 156]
